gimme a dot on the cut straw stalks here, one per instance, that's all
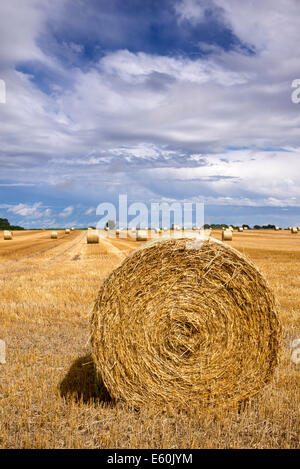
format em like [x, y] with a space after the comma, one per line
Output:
[185, 323]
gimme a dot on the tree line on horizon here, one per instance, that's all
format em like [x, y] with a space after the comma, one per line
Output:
[5, 225]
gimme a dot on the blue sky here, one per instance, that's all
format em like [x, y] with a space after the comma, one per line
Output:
[177, 101]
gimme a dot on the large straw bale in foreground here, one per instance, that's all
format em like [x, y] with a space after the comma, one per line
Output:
[54, 235]
[185, 323]
[92, 237]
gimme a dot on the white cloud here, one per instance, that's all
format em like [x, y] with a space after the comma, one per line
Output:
[137, 68]
[30, 211]
[67, 212]
[90, 210]
[244, 177]
[21, 24]
[191, 10]
[160, 111]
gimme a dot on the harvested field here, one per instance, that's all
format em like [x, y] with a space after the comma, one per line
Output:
[28, 243]
[48, 394]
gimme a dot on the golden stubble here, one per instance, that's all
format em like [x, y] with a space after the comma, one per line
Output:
[49, 397]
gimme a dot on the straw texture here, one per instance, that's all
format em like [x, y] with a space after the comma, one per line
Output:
[92, 237]
[185, 323]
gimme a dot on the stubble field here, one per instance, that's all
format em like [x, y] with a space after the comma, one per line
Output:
[48, 394]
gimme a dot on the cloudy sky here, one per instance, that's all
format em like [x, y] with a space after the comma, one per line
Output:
[162, 100]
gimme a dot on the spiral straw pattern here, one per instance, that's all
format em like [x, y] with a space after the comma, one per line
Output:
[185, 323]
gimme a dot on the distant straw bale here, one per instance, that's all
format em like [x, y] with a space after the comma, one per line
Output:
[7, 235]
[54, 235]
[227, 235]
[92, 237]
[142, 235]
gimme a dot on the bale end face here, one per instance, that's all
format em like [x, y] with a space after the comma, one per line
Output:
[142, 235]
[7, 235]
[227, 235]
[185, 323]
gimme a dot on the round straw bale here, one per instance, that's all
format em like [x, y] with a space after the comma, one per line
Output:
[92, 237]
[67, 231]
[7, 235]
[185, 323]
[276, 228]
[54, 235]
[141, 235]
[241, 228]
[294, 230]
[227, 235]
[72, 229]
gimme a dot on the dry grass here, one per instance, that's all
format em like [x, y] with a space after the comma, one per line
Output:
[48, 393]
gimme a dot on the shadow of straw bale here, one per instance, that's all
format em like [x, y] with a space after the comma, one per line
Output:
[83, 384]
